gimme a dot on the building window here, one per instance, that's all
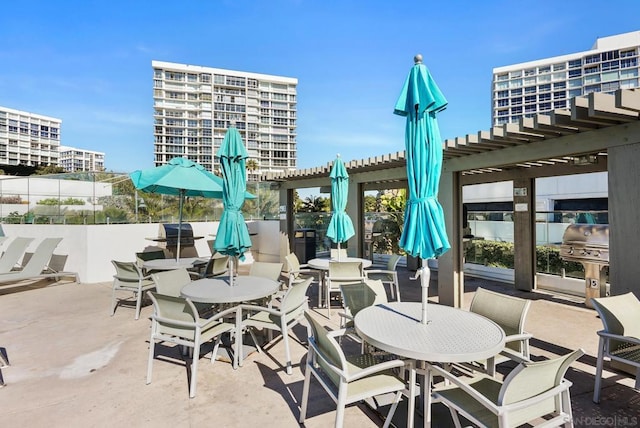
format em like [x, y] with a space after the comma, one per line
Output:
[560, 104]
[530, 99]
[610, 86]
[530, 90]
[628, 62]
[559, 95]
[629, 83]
[592, 79]
[560, 85]
[516, 101]
[559, 66]
[544, 97]
[575, 73]
[544, 69]
[592, 59]
[592, 69]
[575, 63]
[516, 110]
[530, 72]
[502, 94]
[503, 112]
[545, 106]
[544, 88]
[610, 65]
[516, 92]
[575, 93]
[607, 56]
[503, 103]
[530, 108]
[591, 88]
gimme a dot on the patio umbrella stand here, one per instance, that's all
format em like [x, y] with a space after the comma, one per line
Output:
[424, 234]
[233, 238]
[340, 227]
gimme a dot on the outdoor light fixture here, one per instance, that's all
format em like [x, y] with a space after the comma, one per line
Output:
[584, 160]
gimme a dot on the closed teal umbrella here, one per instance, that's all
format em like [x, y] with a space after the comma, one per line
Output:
[340, 227]
[233, 236]
[424, 234]
[180, 177]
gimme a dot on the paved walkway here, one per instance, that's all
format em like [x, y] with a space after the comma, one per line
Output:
[75, 366]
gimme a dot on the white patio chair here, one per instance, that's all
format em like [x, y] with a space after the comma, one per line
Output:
[620, 338]
[532, 390]
[129, 277]
[338, 253]
[347, 379]
[388, 275]
[266, 270]
[217, 265]
[296, 272]
[341, 273]
[176, 320]
[289, 313]
[170, 283]
[510, 313]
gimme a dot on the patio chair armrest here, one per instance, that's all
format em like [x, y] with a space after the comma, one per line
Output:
[344, 317]
[173, 321]
[368, 271]
[629, 339]
[376, 368]
[255, 308]
[336, 333]
[514, 356]
[473, 393]
[347, 278]
[216, 317]
[518, 337]
[564, 384]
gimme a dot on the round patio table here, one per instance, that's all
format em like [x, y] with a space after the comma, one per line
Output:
[451, 335]
[170, 264]
[323, 266]
[219, 289]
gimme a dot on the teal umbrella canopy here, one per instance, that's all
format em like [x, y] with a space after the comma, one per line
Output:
[232, 237]
[180, 177]
[424, 234]
[340, 227]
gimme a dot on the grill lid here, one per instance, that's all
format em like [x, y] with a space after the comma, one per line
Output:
[586, 243]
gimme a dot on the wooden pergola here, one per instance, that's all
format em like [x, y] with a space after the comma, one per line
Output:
[601, 128]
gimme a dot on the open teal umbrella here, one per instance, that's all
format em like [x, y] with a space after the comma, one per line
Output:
[340, 227]
[424, 234]
[180, 177]
[233, 236]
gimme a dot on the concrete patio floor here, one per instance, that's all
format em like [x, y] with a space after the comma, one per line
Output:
[74, 365]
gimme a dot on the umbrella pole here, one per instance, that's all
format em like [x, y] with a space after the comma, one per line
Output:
[338, 251]
[425, 277]
[180, 223]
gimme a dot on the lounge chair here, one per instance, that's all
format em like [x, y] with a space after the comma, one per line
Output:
[4, 362]
[38, 264]
[15, 250]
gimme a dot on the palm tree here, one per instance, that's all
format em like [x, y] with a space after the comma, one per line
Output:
[252, 166]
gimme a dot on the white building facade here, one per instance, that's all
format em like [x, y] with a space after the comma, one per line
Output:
[194, 106]
[73, 159]
[525, 89]
[28, 138]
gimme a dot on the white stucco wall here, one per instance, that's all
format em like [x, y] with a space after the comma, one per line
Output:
[90, 249]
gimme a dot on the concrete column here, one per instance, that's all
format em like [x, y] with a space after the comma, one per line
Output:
[524, 242]
[450, 265]
[624, 230]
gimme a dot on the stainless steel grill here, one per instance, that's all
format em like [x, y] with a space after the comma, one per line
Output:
[168, 238]
[588, 244]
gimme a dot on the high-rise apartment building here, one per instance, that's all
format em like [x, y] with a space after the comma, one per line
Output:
[73, 159]
[28, 139]
[194, 106]
[523, 90]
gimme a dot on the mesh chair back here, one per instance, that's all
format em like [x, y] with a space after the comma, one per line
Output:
[266, 270]
[620, 315]
[508, 312]
[292, 263]
[392, 262]
[345, 273]
[217, 265]
[358, 296]
[327, 349]
[170, 282]
[145, 256]
[174, 316]
[296, 298]
[337, 254]
[127, 271]
[530, 379]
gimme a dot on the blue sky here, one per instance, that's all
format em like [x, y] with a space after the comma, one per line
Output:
[89, 62]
